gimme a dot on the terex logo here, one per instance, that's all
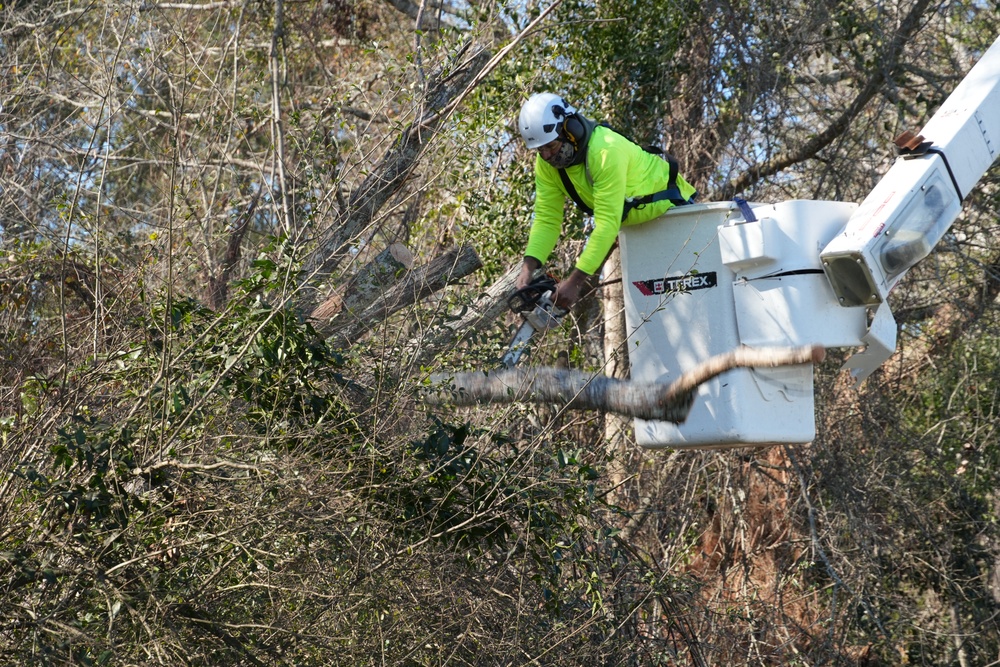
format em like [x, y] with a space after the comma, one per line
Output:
[677, 284]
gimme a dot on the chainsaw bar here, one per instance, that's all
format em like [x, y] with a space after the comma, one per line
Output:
[518, 345]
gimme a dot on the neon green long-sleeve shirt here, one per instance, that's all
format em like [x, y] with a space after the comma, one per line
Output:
[619, 169]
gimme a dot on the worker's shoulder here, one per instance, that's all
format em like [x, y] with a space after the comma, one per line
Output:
[611, 143]
[606, 136]
[609, 150]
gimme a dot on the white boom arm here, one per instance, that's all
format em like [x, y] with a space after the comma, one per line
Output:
[918, 199]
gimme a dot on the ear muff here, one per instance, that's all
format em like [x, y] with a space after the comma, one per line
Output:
[573, 130]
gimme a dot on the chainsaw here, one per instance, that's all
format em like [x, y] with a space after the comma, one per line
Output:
[534, 303]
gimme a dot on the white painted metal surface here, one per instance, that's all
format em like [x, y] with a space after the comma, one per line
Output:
[701, 281]
[918, 199]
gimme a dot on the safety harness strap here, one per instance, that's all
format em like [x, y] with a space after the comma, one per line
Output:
[671, 193]
[573, 194]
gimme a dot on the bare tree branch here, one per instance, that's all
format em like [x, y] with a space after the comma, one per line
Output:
[890, 64]
[577, 390]
[387, 269]
[444, 96]
[278, 158]
[444, 16]
[481, 315]
[189, 6]
[388, 176]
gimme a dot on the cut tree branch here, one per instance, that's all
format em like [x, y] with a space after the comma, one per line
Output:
[584, 391]
[445, 93]
[481, 315]
[387, 269]
[387, 177]
[418, 284]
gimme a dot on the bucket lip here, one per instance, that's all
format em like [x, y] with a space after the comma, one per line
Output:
[706, 206]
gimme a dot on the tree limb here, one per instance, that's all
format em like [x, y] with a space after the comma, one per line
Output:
[445, 93]
[450, 267]
[190, 6]
[889, 65]
[584, 391]
[278, 158]
[388, 176]
[387, 269]
[487, 308]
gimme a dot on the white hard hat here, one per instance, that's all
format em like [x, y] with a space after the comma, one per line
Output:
[541, 117]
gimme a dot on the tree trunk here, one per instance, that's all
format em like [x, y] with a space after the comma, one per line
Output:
[218, 281]
[615, 366]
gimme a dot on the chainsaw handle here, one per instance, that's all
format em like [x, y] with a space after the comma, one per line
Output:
[526, 298]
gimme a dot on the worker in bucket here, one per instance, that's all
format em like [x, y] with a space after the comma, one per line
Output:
[604, 173]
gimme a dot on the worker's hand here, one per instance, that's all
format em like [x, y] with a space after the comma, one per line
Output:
[527, 272]
[568, 291]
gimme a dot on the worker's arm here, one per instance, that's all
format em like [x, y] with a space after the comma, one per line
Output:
[609, 169]
[549, 204]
